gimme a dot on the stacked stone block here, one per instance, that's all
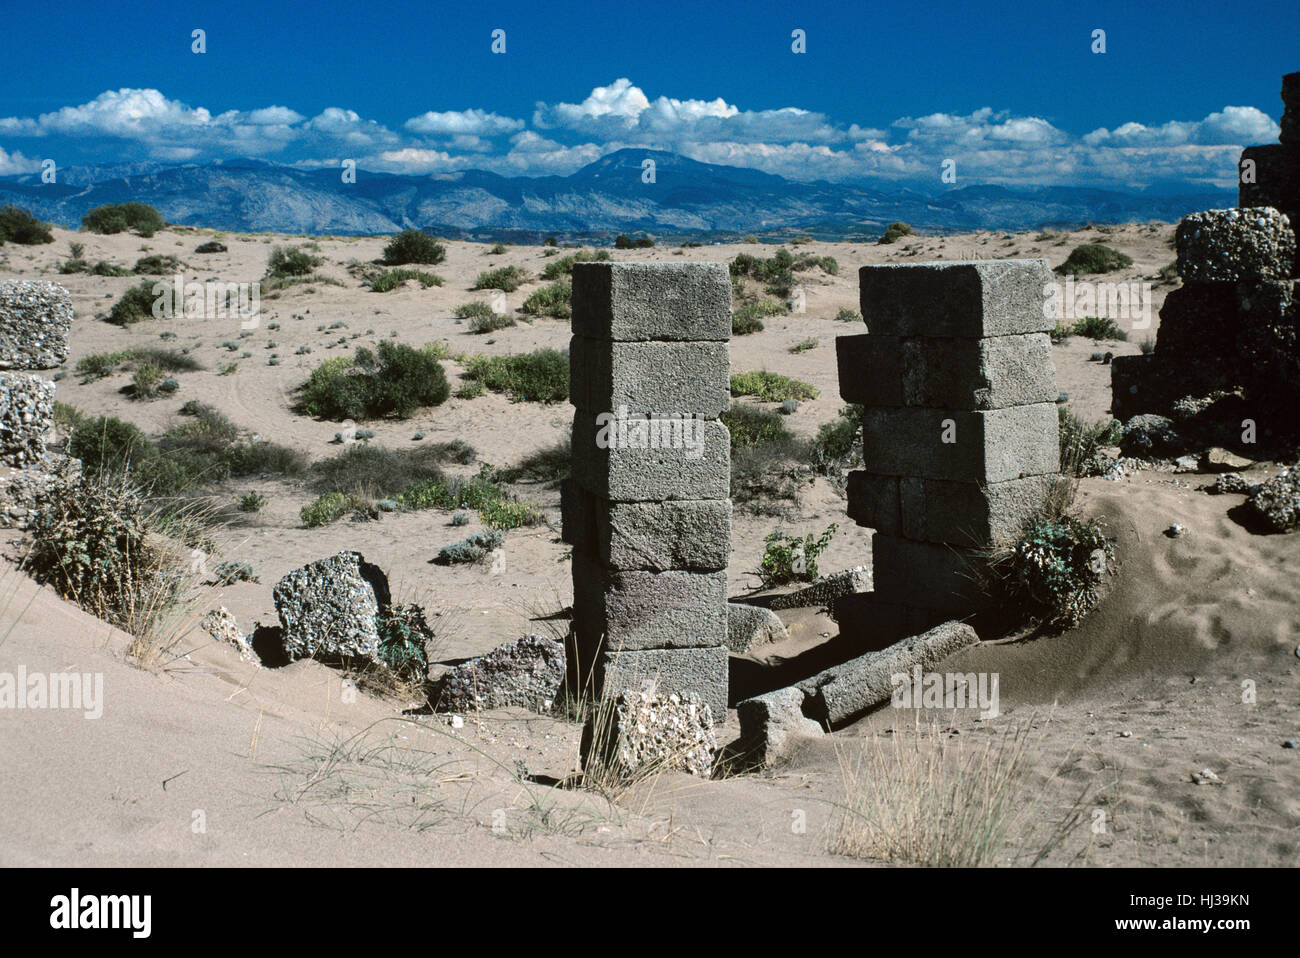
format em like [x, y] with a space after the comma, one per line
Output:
[960, 438]
[647, 507]
[35, 321]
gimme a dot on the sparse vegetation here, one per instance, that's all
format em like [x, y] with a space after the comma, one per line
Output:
[21, 227]
[894, 232]
[1093, 258]
[747, 318]
[286, 261]
[539, 376]
[393, 278]
[136, 305]
[554, 300]
[788, 558]
[563, 267]
[140, 218]
[395, 381]
[157, 265]
[414, 246]
[99, 365]
[1054, 571]
[1097, 328]
[505, 278]
[770, 387]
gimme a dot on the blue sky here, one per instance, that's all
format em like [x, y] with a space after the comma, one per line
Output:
[884, 94]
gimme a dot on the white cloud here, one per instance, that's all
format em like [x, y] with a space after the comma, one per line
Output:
[11, 163]
[463, 123]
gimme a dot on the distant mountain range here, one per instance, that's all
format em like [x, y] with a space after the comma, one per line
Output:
[688, 199]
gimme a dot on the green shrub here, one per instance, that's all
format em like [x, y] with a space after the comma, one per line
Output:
[395, 382]
[233, 571]
[473, 548]
[103, 268]
[1061, 332]
[21, 227]
[505, 278]
[385, 282]
[414, 246]
[804, 345]
[119, 217]
[386, 473]
[1095, 327]
[847, 315]
[146, 382]
[136, 305]
[895, 232]
[210, 247]
[1080, 442]
[108, 444]
[626, 242]
[836, 440]
[509, 514]
[99, 365]
[328, 508]
[789, 558]
[776, 273]
[751, 426]
[252, 502]
[157, 265]
[747, 318]
[474, 310]
[287, 261]
[553, 300]
[490, 322]
[403, 636]
[539, 376]
[1054, 571]
[770, 387]
[1094, 258]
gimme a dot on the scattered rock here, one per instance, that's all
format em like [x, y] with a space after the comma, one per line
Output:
[1218, 459]
[1186, 464]
[1205, 777]
[24, 492]
[35, 319]
[221, 625]
[210, 247]
[751, 625]
[526, 673]
[1231, 482]
[1277, 501]
[328, 608]
[1150, 436]
[1176, 531]
[1289, 743]
[646, 732]
[771, 723]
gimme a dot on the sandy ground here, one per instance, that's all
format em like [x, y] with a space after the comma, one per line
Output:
[210, 760]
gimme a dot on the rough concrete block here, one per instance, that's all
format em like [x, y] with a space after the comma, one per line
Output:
[873, 622]
[1269, 341]
[929, 575]
[647, 610]
[35, 319]
[970, 300]
[1290, 124]
[575, 519]
[647, 731]
[328, 608]
[1197, 320]
[636, 302]
[662, 379]
[826, 589]
[771, 724]
[687, 534]
[647, 460]
[26, 415]
[968, 446]
[1270, 176]
[1146, 384]
[674, 671]
[969, 514]
[1227, 246]
[749, 626]
[845, 691]
[874, 502]
[870, 369]
[978, 374]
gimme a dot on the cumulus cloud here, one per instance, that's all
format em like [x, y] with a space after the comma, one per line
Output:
[463, 123]
[11, 163]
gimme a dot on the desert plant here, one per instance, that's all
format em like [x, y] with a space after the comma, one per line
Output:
[404, 634]
[490, 322]
[1097, 328]
[563, 267]
[895, 232]
[287, 261]
[473, 548]
[539, 376]
[329, 507]
[119, 217]
[1080, 442]
[770, 387]
[804, 345]
[847, 315]
[553, 300]
[393, 278]
[1054, 571]
[21, 227]
[505, 278]
[788, 558]
[751, 426]
[1094, 258]
[136, 305]
[156, 265]
[146, 382]
[414, 246]
[837, 440]
[395, 381]
[252, 502]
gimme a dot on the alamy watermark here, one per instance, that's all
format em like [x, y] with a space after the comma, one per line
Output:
[1116, 301]
[945, 690]
[208, 300]
[54, 690]
[624, 430]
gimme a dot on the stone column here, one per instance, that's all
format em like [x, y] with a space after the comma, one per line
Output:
[35, 321]
[960, 439]
[647, 507]
[1270, 175]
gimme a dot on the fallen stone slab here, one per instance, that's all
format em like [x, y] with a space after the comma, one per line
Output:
[26, 415]
[328, 608]
[771, 724]
[646, 732]
[35, 319]
[1228, 246]
[526, 673]
[826, 589]
[845, 691]
[749, 626]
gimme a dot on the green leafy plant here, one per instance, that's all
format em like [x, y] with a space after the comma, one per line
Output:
[539, 376]
[1055, 570]
[1097, 328]
[895, 232]
[21, 227]
[1093, 258]
[414, 246]
[770, 387]
[403, 637]
[505, 278]
[136, 305]
[396, 380]
[120, 217]
[788, 558]
[553, 300]
[393, 278]
[287, 261]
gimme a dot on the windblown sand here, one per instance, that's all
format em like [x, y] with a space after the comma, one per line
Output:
[209, 760]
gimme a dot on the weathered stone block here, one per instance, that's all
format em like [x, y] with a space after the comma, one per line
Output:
[576, 526]
[842, 693]
[979, 374]
[752, 625]
[929, 575]
[637, 302]
[620, 609]
[26, 415]
[327, 608]
[526, 673]
[647, 731]
[1290, 124]
[826, 589]
[35, 319]
[1270, 176]
[687, 534]
[870, 369]
[874, 502]
[1269, 341]
[1198, 320]
[674, 671]
[771, 724]
[969, 300]
[663, 379]
[642, 460]
[968, 446]
[1227, 246]
[969, 514]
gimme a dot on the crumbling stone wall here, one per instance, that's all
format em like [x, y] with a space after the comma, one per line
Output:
[960, 436]
[35, 321]
[647, 507]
